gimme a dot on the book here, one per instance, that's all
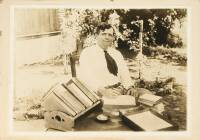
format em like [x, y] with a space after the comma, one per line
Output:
[147, 121]
[79, 94]
[68, 98]
[119, 101]
[89, 93]
[54, 102]
[149, 99]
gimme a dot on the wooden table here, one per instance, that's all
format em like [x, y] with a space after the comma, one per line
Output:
[90, 123]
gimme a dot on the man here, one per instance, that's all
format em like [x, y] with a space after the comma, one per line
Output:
[103, 68]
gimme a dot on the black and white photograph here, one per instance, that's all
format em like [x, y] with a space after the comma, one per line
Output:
[95, 69]
[109, 69]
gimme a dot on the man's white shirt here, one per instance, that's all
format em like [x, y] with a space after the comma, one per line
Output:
[94, 71]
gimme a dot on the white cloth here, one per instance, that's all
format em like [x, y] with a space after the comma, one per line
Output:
[94, 71]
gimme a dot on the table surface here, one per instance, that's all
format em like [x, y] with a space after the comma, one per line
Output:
[115, 123]
[90, 123]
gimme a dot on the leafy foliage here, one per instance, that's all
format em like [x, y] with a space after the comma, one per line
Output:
[158, 26]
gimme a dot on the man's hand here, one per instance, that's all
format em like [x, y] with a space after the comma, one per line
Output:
[132, 91]
[107, 92]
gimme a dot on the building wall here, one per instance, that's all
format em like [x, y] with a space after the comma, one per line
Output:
[37, 35]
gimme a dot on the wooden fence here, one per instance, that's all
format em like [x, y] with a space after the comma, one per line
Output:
[34, 22]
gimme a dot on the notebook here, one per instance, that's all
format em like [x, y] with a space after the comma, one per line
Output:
[149, 99]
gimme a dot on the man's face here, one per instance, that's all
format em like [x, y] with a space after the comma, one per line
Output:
[105, 38]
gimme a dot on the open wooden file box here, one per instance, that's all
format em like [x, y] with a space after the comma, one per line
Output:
[147, 120]
[67, 103]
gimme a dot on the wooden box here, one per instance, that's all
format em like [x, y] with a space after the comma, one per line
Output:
[67, 103]
[147, 120]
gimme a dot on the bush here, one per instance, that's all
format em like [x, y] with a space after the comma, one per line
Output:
[159, 87]
[174, 41]
[157, 25]
[165, 54]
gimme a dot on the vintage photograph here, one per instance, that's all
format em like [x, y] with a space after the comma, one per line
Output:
[112, 69]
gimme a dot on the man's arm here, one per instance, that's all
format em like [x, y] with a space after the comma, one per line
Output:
[126, 80]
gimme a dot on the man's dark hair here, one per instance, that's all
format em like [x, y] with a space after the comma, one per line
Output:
[103, 26]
